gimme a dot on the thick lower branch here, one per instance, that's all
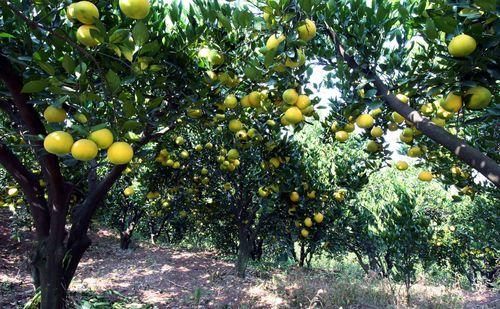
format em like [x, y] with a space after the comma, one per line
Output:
[30, 187]
[469, 155]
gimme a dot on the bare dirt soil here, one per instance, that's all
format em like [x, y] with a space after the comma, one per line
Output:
[153, 276]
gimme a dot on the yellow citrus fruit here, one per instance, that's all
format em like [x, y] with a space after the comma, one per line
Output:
[427, 109]
[184, 154]
[245, 101]
[194, 113]
[275, 162]
[365, 121]
[304, 233]
[103, 138]
[54, 114]
[290, 96]
[397, 117]
[12, 192]
[294, 196]
[318, 217]
[84, 150]
[405, 139]
[349, 127]
[341, 136]
[392, 126]
[235, 125]
[308, 222]
[136, 9]
[70, 11]
[480, 98]
[120, 153]
[85, 37]
[402, 98]
[335, 126]
[233, 154]
[376, 132]
[216, 58]
[263, 192]
[376, 112]
[303, 101]
[231, 101]
[81, 118]
[425, 176]
[307, 30]
[254, 98]
[440, 122]
[86, 12]
[414, 152]
[128, 191]
[407, 132]
[372, 146]
[58, 143]
[274, 41]
[293, 115]
[452, 103]
[401, 165]
[209, 145]
[462, 45]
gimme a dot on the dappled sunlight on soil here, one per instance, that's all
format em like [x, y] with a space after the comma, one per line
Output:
[174, 278]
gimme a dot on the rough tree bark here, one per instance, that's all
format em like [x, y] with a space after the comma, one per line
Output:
[469, 155]
[244, 250]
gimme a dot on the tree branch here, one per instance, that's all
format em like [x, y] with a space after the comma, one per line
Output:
[473, 157]
[30, 187]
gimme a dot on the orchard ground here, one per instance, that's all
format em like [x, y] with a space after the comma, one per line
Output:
[152, 275]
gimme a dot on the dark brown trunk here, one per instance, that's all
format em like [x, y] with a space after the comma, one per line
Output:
[244, 249]
[125, 240]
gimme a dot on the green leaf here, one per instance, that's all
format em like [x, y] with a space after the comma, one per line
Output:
[118, 36]
[113, 81]
[47, 68]
[445, 23]
[140, 33]
[68, 64]
[430, 29]
[155, 102]
[6, 35]
[489, 5]
[129, 109]
[35, 86]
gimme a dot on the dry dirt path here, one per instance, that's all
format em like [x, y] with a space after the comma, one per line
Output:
[153, 276]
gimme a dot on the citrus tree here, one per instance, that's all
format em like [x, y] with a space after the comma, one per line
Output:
[106, 75]
[419, 66]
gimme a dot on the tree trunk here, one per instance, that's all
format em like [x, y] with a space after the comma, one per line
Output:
[244, 251]
[125, 240]
[302, 255]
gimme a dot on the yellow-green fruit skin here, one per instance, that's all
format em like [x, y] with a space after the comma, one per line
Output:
[120, 153]
[86, 12]
[84, 150]
[480, 98]
[103, 138]
[84, 36]
[307, 30]
[58, 143]
[54, 114]
[293, 115]
[136, 9]
[452, 103]
[462, 45]
[70, 11]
